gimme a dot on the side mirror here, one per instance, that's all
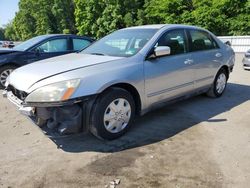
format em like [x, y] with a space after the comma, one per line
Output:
[162, 51]
[159, 51]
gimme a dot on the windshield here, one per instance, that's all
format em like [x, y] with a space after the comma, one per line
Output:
[122, 43]
[29, 43]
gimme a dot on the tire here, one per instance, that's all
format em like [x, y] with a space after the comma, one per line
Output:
[216, 91]
[4, 73]
[112, 114]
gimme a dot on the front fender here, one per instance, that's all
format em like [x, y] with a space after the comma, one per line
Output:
[97, 81]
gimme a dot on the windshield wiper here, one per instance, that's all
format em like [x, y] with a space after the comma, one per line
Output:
[97, 54]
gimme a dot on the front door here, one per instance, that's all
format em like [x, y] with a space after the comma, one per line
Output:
[52, 48]
[169, 76]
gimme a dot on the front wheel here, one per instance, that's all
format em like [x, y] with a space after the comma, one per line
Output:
[4, 73]
[219, 85]
[112, 114]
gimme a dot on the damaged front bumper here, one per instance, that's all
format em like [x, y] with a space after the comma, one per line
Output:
[28, 111]
[64, 118]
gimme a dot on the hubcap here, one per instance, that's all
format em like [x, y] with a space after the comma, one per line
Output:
[117, 115]
[221, 83]
[4, 75]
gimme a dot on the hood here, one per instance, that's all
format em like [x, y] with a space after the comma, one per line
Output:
[23, 78]
[7, 51]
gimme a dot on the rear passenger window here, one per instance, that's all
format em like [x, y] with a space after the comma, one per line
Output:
[79, 44]
[176, 40]
[201, 40]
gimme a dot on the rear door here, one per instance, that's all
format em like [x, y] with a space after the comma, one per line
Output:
[207, 57]
[169, 76]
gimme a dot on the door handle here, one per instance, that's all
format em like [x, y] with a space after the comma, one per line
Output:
[218, 55]
[188, 61]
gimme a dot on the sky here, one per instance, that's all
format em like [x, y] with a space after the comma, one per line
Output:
[7, 11]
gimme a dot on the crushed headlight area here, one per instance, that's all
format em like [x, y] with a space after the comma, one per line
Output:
[63, 120]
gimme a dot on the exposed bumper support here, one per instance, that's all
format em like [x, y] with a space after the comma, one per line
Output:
[28, 111]
[25, 110]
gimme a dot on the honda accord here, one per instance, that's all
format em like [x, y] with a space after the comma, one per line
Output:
[127, 73]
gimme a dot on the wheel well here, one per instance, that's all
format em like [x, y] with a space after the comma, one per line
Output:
[9, 64]
[226, 68]
[133, 91]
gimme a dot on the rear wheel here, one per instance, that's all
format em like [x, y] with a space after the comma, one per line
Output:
[219, 85]
[4, 73]
[112, 114]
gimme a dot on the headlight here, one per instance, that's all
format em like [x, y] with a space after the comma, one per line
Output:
[59, 91]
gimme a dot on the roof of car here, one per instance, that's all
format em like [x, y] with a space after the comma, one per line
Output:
[55, 35]
[155, 26]
[58, 35]
[159, 26]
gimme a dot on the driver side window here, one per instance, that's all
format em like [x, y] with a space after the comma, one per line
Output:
[176, 40]
[57, 45]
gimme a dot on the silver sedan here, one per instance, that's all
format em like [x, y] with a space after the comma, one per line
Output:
[127, 73]
[246, 61]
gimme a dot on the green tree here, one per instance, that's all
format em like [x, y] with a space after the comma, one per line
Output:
[43, 17]
[10, 33]
[110, 19]
[97, 18]
[63, 11]
[208, 16]
[224, 17]
[237, 15]
[167, 11]
[24, 23]
[86, 15]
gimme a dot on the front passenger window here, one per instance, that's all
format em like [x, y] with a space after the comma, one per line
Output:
[175, 40]
[56, 45]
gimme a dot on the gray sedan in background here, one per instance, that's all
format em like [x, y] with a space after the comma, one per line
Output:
[127, 73]
[246, 60]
